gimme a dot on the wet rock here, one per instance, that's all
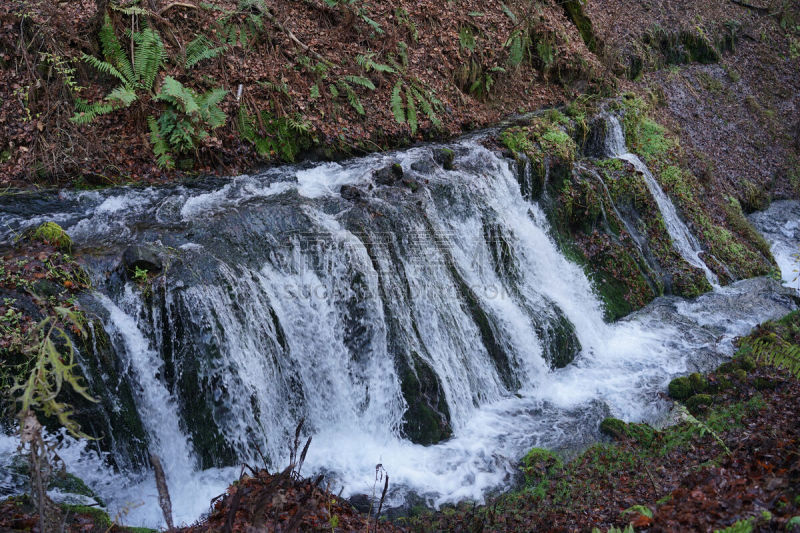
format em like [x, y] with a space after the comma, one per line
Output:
[141, 257]
[351, 193]
[444, 157]
[361, 502]
[559, 341]
[424, 166]
[595, 143]
[427, 419]
[388, 175]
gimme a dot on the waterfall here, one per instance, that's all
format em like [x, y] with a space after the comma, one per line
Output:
[682, 238]
[432, 326]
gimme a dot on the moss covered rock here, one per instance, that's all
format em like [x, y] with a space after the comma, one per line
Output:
[53, 234]
[618, 429]
[699, 402]
[698, 382]
[680, 388]
[539, 463]
[613, 427]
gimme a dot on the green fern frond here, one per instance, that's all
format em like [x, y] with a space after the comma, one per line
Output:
[200, 49]
[86, 112]
[124, 95]
[160, 146]
[366, 62]
[314, 92]
[130, 10]
[774, 351]
[106, 68]
[149, 56]
[352, 97]
[397, 103]
[411, 110]
[466, 38]
[427, 108]
[516, 49]
[113, 52]
[510, 14]
[175, 93]
[360, 80]
[402, 51]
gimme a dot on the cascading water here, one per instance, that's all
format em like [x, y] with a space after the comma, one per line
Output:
[387, 315]
[682, 238]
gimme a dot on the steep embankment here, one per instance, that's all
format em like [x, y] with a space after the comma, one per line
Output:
[333, 77]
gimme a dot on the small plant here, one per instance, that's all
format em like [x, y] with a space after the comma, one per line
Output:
[186, 121]
[139, 275]
[414, 95]
[188, 117]
[136, 73]
[272, 136]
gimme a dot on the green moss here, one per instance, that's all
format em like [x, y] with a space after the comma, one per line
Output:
[699, 402]
[698, 382]
[641, 433]
[72, 484]
[99, 517]
[680, 388]
[574, 10]
[427, 418]
[53, 234]
[613, 427]
[539, 463]
[516, 139]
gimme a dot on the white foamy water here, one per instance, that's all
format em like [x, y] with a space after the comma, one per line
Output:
[780, 225]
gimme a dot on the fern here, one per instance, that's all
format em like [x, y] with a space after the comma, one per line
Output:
[427, 108]
[284, 136]
[107, 68]
[314, 92]
[130, 10]
[124, 95]
[411, 111]
[360, 80]
[397, 103]
[149, 56]
[467, 39]
[352, 97]
[366, 62]
[415, 95]
[516, 48]
[53, 353]
[703, 427]
[160, 146]
[402, 51]
[114, 54]
[775, 351]
[175, 93]
[200, 49]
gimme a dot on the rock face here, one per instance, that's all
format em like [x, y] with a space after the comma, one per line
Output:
[349, 192]
[142, 257]
[388, 175]
[427, 420]
[445, 157]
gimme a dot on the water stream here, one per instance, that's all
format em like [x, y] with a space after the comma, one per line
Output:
[682, 238]
[283, 300]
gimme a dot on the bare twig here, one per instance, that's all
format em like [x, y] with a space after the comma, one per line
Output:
[175, 4]
[163, 491]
